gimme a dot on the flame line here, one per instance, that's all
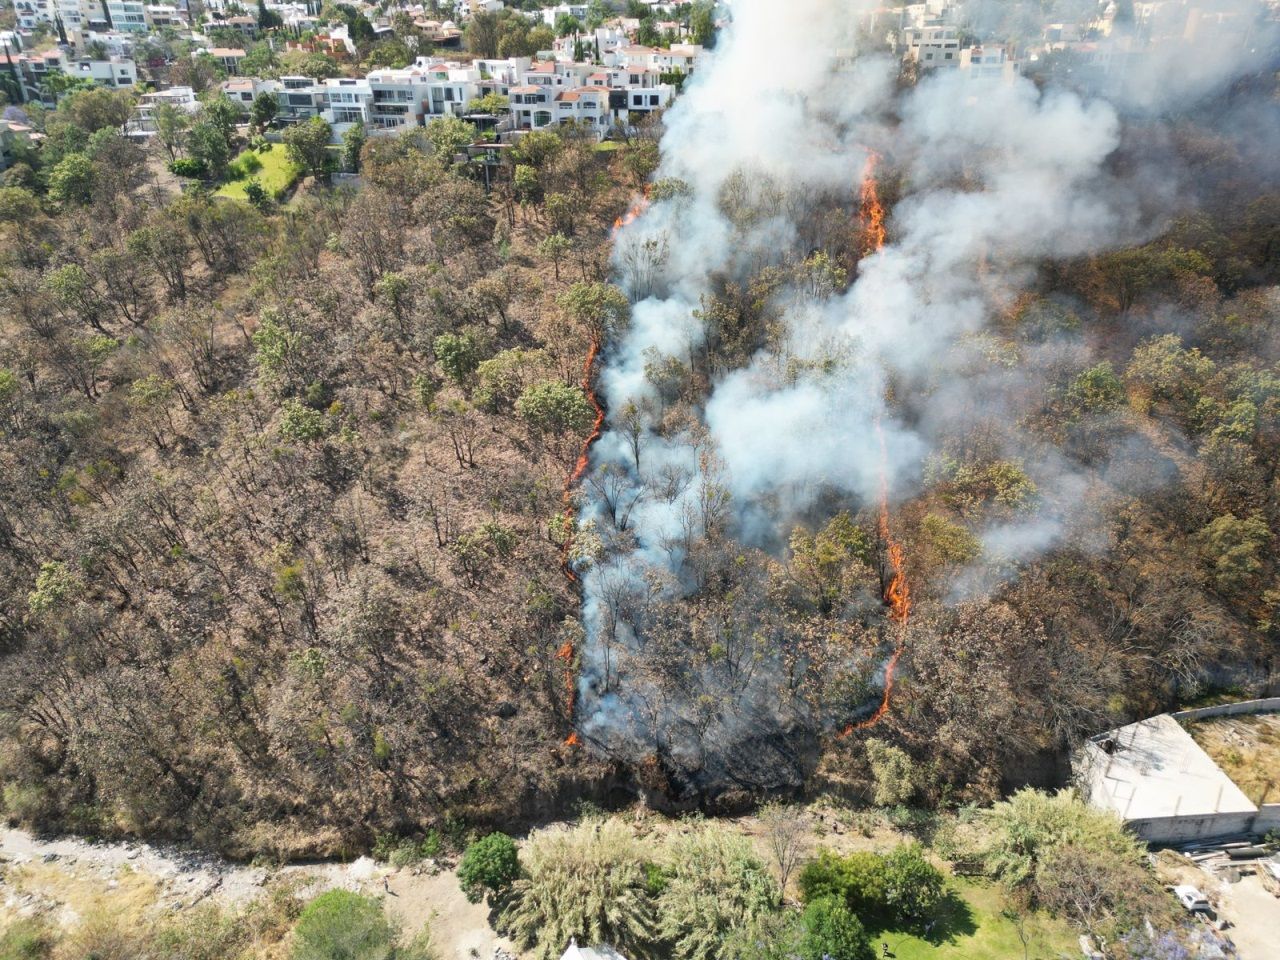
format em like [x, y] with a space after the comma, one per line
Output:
[566, 651]
[897, 593]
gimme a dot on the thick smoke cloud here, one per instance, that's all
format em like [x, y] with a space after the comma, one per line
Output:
[996, 178]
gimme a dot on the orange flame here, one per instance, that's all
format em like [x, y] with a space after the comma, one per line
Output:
[572, 739]
[634, 212]
[873, 231]
[571, 482]
[897, 593]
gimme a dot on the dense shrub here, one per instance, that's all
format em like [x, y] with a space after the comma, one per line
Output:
[831, 930]
[715, 886]
[190, 167]
[588, 881]
[895, 890]
[340, 925]
[489, 866]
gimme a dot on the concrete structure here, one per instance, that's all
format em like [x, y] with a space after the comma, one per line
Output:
[987, 63]
[1165, 787]
[13, 134]
[143, 123]
[601, 952]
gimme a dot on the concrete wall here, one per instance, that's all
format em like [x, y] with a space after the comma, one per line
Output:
[1268, 818]
[1269, 705]
[1178, 830]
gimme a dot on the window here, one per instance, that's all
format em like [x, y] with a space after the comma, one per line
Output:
[653, 101]
[947, 56]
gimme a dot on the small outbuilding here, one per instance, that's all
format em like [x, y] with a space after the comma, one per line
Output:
[601, 952]
[1161, 782]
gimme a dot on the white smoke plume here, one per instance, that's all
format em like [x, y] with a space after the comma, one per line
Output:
[996, 177]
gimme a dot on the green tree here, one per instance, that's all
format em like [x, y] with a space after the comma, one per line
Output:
[71, 182]
[308, 146]
[555, 408]
[489, 867]
[264, 109]
[448, 137]
[1021, 832]
[1233, 548]
[587, 881]
[825, 562]
[858, 880]
[702, 23]
[172, 125]
[340, 925]
[208, 147]
[457, 354]
[600, 307]
[54, 584]
[555, 248]
[1096, 390]
[494, 103]
[353, 142]
[832, 932]
[914, 887]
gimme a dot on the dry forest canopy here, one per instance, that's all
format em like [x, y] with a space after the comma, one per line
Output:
[282, 517]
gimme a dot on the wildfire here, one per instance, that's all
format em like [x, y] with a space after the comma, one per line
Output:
[565, 652]
[897, 592]
[634, 212]
[584, 456]
[872, 209]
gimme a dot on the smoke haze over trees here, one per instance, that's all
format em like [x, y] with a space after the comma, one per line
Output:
[283, 515]
[773, 378]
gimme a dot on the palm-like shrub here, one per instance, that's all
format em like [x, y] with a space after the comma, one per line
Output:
[716, 886]
[588, 882]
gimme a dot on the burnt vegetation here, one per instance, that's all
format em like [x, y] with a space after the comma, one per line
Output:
[281, 516]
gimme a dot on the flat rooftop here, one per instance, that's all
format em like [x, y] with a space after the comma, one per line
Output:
[1157, 770]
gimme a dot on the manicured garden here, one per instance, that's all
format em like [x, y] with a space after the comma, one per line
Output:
[975, 925]
[273, 170]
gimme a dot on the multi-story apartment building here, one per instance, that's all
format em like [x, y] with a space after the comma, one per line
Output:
[36, 70]
[934, 45]
[31, 13]
[346, 101]
[128, 15]
[987, 63]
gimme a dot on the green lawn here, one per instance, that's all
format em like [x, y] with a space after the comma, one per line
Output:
[276, 176]
[609, 146]
[973, 929]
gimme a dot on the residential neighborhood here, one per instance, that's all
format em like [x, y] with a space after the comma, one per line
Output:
[601, 67]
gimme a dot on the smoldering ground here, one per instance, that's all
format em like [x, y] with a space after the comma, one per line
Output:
[689, 660]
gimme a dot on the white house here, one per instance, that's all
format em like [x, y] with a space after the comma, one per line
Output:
[551, 14]
[128, 15]
[142, 124]
[116, 73]
[987, 63]
[936, 45]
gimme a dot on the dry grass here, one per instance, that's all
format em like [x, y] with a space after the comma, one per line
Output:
[126, 894]
[1247, 749]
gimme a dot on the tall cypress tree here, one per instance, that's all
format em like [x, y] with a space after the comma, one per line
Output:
[15, 82]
